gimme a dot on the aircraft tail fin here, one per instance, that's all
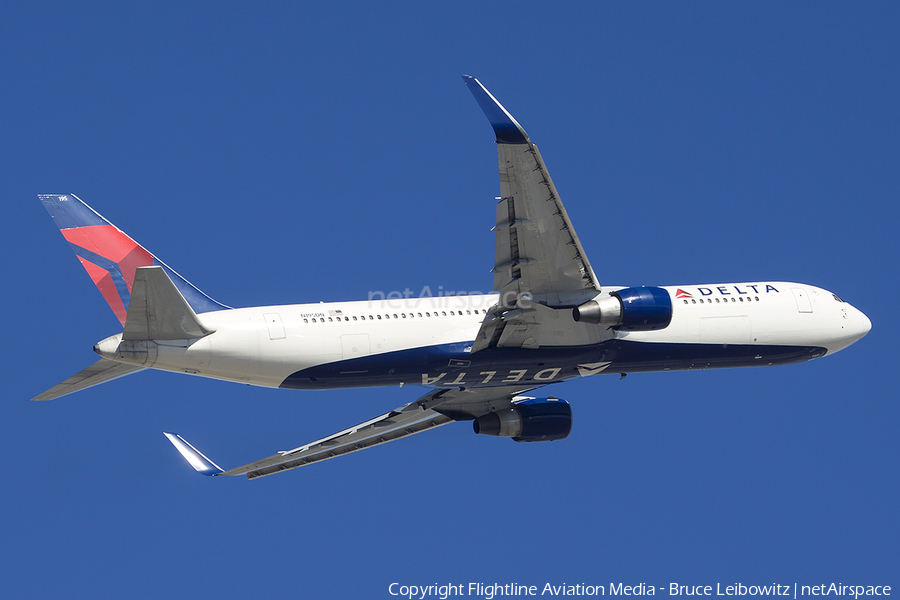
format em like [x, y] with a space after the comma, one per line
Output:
[111, 257]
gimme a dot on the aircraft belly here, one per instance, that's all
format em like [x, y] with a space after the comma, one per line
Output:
[446, 365]
[451, 366]
[634, 357]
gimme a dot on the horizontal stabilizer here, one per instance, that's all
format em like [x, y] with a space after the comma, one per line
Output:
[196, 458]
[100, 372]
[158, 311]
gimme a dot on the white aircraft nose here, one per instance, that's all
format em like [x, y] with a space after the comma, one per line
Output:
[854, 325]
[863, 324]
[847, 325]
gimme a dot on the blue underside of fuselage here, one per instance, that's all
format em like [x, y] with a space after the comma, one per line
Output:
[449, 365]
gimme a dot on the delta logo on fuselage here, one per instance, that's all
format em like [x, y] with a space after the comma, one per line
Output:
[726, 290]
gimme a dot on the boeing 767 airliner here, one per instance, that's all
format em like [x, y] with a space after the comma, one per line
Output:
[548, 321]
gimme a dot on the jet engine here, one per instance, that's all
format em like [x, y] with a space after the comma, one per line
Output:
[629, 309]
[529, 420]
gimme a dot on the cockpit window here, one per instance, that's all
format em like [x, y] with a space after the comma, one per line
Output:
[836, 298]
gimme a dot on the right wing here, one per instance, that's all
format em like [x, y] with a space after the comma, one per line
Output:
[537, 251]
[432, 410]
[538, 258]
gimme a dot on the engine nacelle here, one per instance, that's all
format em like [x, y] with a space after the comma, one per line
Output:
[629, 309]
[529, 420]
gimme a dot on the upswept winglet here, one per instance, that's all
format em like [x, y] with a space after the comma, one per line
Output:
[506, 128]
[111, 257]
[195, 458]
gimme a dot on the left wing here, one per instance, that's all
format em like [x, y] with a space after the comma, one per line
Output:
[432, 410]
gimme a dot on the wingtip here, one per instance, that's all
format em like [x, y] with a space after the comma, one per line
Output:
[506, 128]
[194, 457]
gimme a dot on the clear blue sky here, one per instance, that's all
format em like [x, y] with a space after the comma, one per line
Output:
[297, 152]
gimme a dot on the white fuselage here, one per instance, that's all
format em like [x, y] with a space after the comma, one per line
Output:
[428, 341]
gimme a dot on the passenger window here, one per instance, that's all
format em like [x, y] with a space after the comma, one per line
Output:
[306, 320]
[354, 318]
[379, 317]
